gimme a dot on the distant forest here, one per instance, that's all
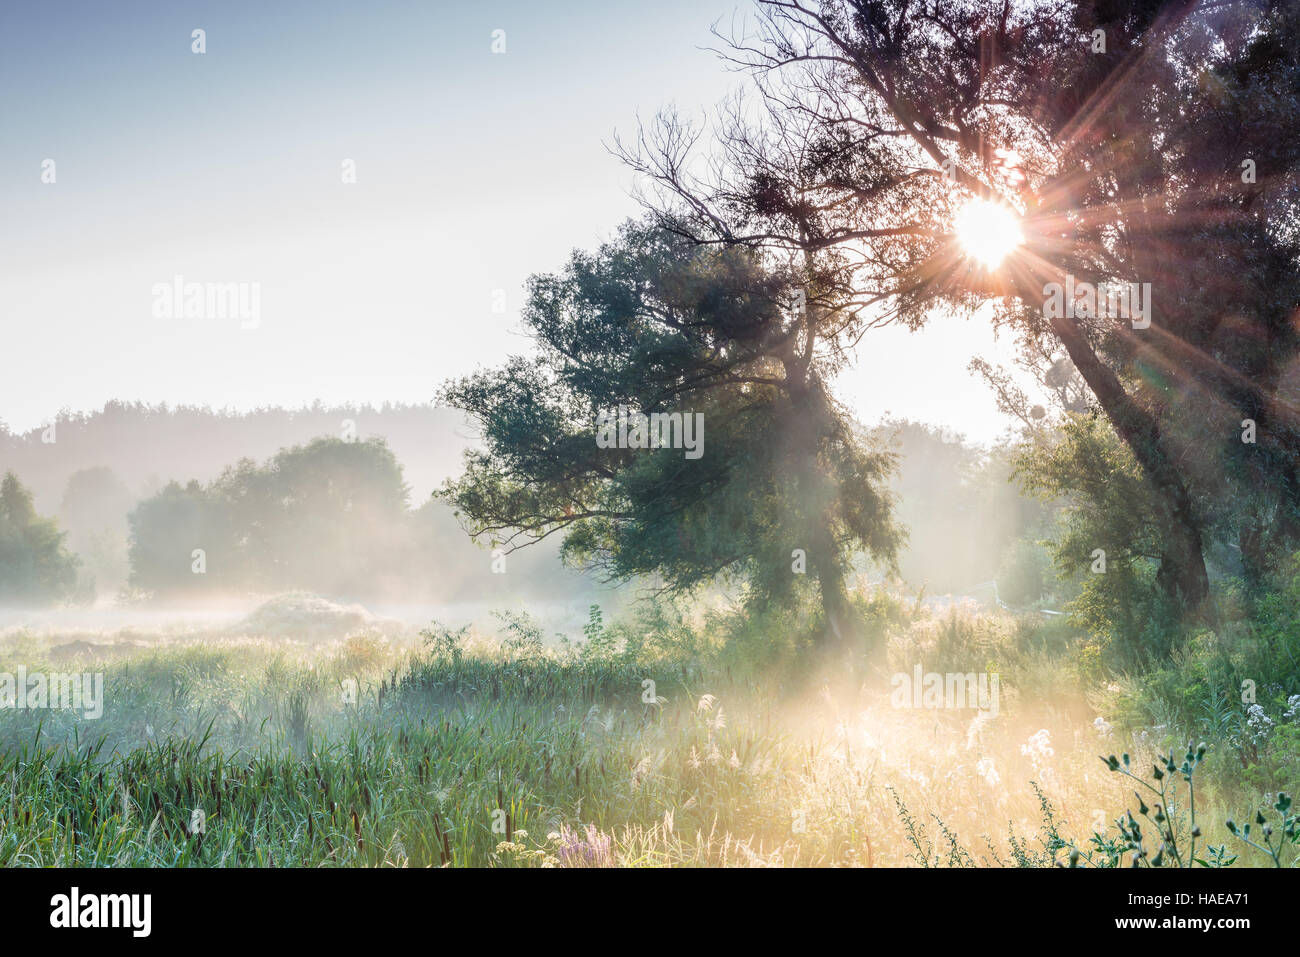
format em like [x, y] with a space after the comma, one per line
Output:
[338, 500]
[148, 445]
[135, 488]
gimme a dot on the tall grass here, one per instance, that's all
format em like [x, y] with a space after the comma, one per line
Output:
[459, 750]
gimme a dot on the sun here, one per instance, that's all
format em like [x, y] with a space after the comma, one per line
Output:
[988, 231]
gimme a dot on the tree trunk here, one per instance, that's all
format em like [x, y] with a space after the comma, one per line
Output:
[1254, 561]
[1182, 574]
[817, 497]
[839, 628]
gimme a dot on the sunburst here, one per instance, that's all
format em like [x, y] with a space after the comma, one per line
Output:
[988, 231]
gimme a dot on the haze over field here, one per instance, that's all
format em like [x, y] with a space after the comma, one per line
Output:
[585, 435]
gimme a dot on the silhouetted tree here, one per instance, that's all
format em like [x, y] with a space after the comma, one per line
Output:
[1117, 132]
[656, 325]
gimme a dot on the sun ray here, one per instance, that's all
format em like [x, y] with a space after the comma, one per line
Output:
[988, 231]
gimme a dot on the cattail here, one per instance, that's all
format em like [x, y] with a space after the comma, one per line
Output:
[444, 848]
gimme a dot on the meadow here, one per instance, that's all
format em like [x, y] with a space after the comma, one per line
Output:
[663, 739]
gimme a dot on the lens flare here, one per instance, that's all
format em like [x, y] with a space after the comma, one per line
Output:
[988, 231]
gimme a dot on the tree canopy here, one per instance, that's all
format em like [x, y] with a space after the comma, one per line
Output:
[1130, 143]
[329, 515]
[658, 325]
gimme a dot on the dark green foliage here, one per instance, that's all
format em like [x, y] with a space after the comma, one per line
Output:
[1110, 507]
[659, 325]
[35, 567]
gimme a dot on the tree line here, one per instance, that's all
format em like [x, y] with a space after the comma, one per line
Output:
[336, 518]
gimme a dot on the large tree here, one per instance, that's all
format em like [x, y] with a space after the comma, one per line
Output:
[655, 325]
[1115, 132]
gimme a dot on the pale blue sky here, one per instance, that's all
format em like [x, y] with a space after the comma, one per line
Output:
[473, 171]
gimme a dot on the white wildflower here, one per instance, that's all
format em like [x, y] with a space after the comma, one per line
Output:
[985, 769]
[1039, 747]
[1260, 724]
[719, 720]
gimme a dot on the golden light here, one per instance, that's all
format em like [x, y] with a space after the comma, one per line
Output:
[988, 231]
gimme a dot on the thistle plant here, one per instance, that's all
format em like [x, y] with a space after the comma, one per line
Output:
[1288, 831]
[1175, 832]
[1162, 817]
[1176, 838]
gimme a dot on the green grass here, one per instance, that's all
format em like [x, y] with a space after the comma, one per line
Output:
[462, 751]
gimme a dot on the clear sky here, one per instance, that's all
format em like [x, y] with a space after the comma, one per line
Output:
[473, 170]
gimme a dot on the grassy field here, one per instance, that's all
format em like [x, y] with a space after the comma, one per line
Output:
[649, 747]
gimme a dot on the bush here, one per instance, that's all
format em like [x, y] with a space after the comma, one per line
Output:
[35, 567]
